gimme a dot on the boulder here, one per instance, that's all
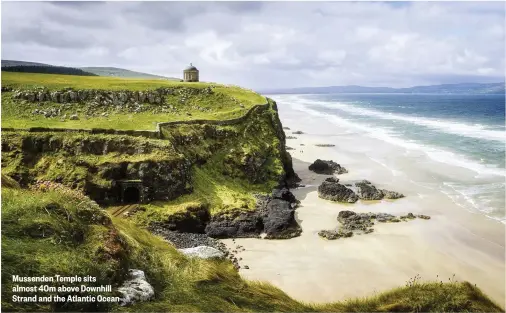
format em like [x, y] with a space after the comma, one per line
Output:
[241, 224]
[351, 221]
[280, 220]
[329, 234]
[345, 214]
[368, 192]
[332, 179]
[391, 194]
[327, 167]
[74, 117]
[409, 215]
[136, 288]
[384, 217]
[203, 252]
[284, 194]
[364, 181]
[336, 192]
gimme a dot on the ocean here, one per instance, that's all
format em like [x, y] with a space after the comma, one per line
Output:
[459, 139]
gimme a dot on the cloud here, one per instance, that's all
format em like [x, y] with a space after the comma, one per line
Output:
[268, 44]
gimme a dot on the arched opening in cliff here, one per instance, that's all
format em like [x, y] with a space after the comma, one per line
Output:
[131, 195]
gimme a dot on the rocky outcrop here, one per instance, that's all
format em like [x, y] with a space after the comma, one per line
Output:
[391, 194]
[362, 223]
[235, 224]
[279, 222]
[136, 288]
[367, 191]
[332, 190]
[274, 215]
[193, 220]
[203, 252]
[74, 160]
[327, 167]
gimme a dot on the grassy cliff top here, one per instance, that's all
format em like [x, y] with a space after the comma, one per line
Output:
[55, 82]
[225, 102]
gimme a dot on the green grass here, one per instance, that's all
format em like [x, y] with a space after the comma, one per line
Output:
[76, 159]
[62, 232]
[224, 183]
[56, 233]
[222, 104]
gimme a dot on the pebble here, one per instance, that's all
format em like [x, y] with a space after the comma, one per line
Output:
[192, 240]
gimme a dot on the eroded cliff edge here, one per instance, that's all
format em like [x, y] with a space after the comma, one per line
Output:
[226, 178]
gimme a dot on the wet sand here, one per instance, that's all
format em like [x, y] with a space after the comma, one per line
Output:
[311, 269]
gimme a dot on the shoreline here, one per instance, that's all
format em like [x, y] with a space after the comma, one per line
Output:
[311, 269]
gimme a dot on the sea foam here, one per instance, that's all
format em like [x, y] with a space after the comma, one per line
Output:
[436, 154]
[448, 126]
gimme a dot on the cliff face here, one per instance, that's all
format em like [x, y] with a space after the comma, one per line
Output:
[220, 164]
[95, 163]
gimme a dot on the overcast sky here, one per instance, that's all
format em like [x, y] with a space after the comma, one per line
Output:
[268, 44]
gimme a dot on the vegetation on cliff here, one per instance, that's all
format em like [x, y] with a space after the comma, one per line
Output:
[44, 100]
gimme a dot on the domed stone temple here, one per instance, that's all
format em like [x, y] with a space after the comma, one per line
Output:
[191, 74]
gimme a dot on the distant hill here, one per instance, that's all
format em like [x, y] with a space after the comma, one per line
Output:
[100, 71]
[47, 69]
[7, 63]
[120, 72]
[464, 88]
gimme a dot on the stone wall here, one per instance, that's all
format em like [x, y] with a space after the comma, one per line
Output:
[104, 97]
[154, 134]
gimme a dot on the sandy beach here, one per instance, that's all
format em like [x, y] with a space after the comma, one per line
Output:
[308, 268]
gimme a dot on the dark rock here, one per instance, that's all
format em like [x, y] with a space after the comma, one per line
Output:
[332, 179]
[235, 224]
[425, 217]
[336, 192]
[329, 234]
[297, 132]
[345, 214]
[391, 194]
[409, 215]
[193, 220]
[280, 221]
[384, 217]
[364, 181]
[246, 267]
[368, 192]
[351, 221]
[284, 194]
[346, 234]
[327, 167]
